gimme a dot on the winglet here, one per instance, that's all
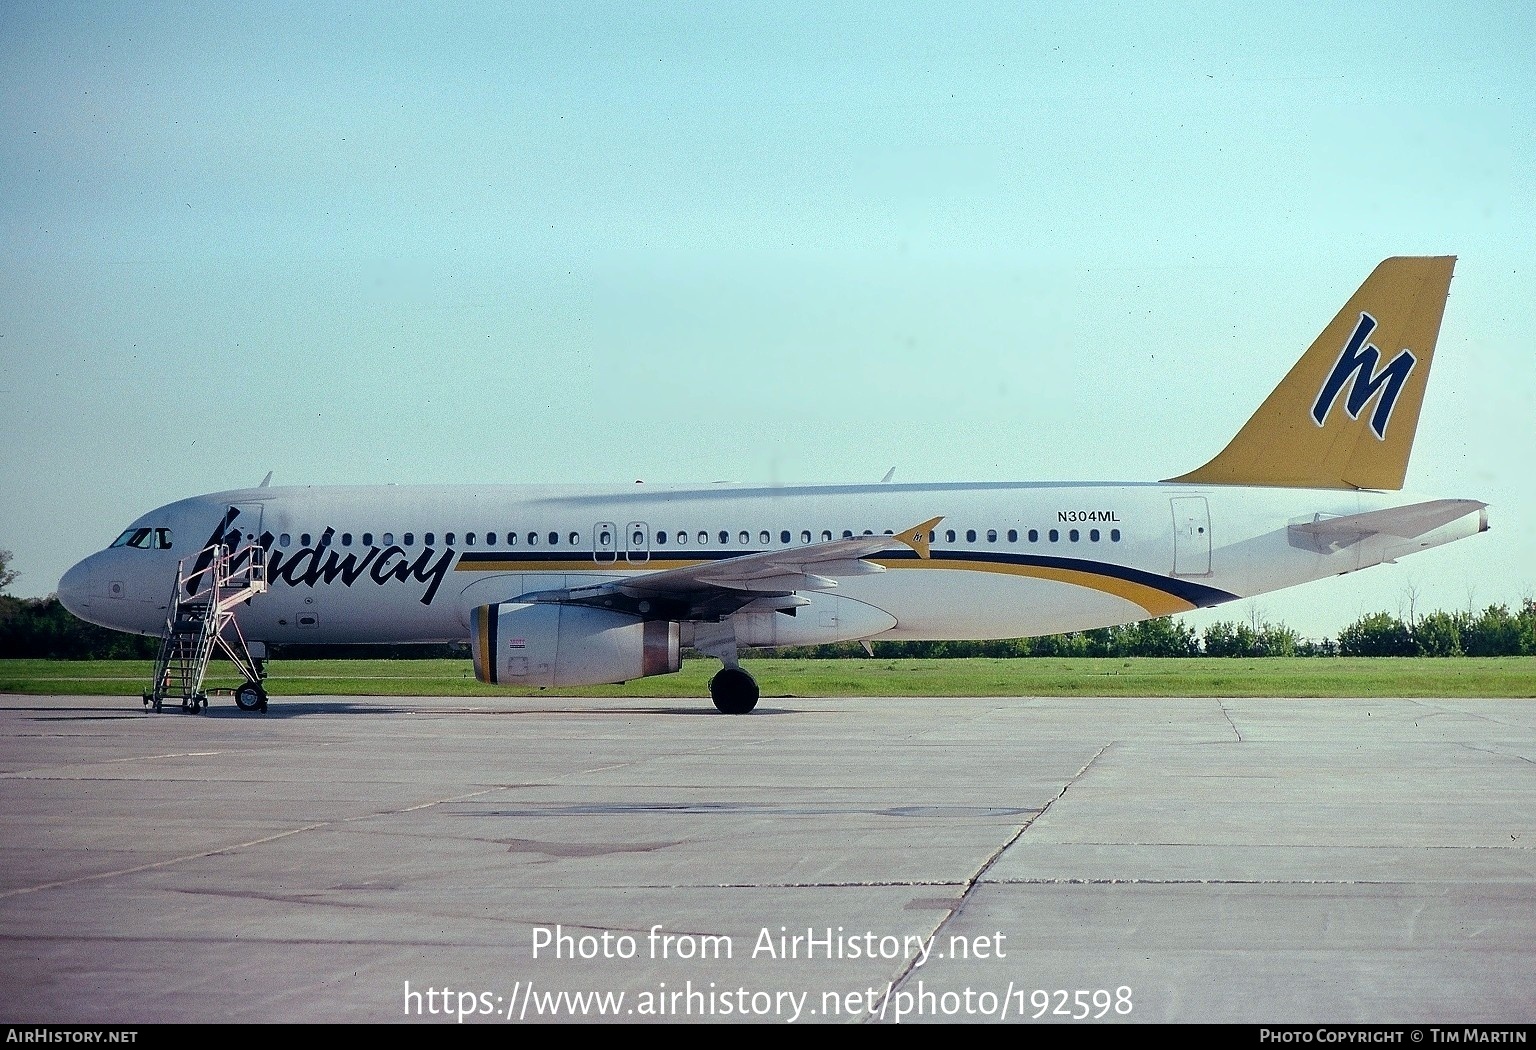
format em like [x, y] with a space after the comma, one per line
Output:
[917, 536]
[1345, 414]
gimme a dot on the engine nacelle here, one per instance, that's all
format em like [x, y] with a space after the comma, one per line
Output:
[516, 643]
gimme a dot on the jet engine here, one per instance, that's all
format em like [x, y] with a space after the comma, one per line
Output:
[543, 644]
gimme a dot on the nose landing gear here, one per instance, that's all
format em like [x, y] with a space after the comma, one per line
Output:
[251, 697]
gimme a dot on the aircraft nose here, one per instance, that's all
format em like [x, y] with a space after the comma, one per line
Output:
[75, 589]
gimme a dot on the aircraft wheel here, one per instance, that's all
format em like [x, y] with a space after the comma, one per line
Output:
[251, 697]
[734, 691]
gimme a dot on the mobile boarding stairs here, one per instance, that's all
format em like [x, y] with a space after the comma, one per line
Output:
[202, 620]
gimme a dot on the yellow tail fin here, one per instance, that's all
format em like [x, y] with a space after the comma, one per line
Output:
[1345, 414]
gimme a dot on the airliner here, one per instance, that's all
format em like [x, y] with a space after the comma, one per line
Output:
[579, 586]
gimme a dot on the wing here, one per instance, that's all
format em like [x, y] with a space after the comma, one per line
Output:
[708, 590]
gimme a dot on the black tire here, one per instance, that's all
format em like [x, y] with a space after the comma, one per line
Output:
[251, 697]
[734, 691]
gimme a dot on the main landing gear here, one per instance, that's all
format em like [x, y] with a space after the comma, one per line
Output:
[733, 690]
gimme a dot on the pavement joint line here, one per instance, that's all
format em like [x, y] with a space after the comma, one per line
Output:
[1500, 754]
[204, 854]
[877, 1009]
[32, 774]
[1228, 714]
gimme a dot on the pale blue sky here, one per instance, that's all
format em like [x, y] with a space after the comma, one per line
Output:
[794, 242]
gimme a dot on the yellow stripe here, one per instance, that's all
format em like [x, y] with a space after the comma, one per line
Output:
[1156, 602]
[574, 566]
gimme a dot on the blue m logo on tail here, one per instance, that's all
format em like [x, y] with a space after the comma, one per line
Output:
[1359, 361]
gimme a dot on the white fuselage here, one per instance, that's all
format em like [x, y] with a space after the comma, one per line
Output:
[355, 564]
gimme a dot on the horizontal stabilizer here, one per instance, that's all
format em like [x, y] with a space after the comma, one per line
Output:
[1331, 534]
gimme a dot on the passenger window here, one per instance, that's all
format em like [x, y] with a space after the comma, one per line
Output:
[949, 535]
[826, 535]
[304, 540]
[1013, 535]
[511, 539]
[575, 539]
[346, 539]
[388, 539]
[605, 537]
[745, 537]
[637, 540]
[1093, 534]
[469, 539]
[1072, 535]
[490, 539]
[704, 538]
[554, 539]
[1034, 535]
[448, 539]
[1055, 535]
[762, 537]
[805, 536]
[1114, 535]
[682, 537]
[409, 539]
[428, 539]
[283, 540]
[533, 539]
[970, 535]
[847, 534]
[367, 539]
[784, 536]
[661, 538]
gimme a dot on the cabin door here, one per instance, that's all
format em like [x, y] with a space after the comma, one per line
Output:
[1191, 536]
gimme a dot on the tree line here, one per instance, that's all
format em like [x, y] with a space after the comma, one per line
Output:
[41, 628]
[1496, 631]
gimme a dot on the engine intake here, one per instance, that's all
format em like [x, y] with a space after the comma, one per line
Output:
[517, 643]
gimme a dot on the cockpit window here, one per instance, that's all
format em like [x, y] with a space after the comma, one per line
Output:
[145, 539]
